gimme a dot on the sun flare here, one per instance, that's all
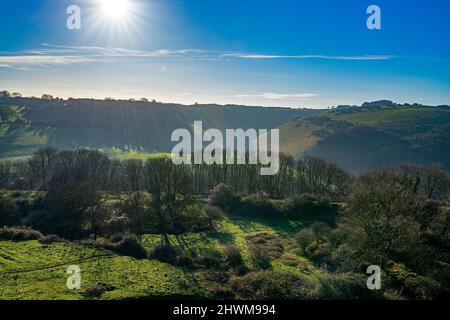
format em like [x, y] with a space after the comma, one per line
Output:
[115, 9]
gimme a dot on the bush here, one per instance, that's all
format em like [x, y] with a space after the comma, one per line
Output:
[257, 205]
[304, 238]
[211, 259]
[9, 212]
[222, 292]
[165, 253]
[343, 286]
[308, 206]
[129, 246]
[213, 214]
[272, 285]
[422, 288]
[224, 197]
[269, 243]
[52, 238]
[260, 259]
[233, 256]
[234, 259]
[124, 244]
[19, 233]
[97, 289]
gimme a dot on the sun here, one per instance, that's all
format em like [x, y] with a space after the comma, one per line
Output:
[115, 9]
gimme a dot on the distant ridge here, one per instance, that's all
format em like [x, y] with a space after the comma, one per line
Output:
[375, 134]
[30, 123]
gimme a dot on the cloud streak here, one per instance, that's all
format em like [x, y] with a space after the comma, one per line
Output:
[63, 55]
[279, 96]
[40, 60]
[323, 57]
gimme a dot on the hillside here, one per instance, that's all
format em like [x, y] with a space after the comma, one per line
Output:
[39, 270]
[361, 138]
[356, 138]
[27, 124]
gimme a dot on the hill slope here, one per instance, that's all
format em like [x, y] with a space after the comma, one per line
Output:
[363, 138]
[32, 270]
[27, 124]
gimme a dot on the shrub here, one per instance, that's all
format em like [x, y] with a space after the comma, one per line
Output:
[184, 259]
[211, 259]
[124, 244]
[343, 286]
[222, 292]
[269, 243]
[233, 256]
[52, 238]
[308, 206]
[304, 238]
[213, 214]
[257, 205]
[19, 233]
[220, 277]
[165, 253]
[274, 285]
[9, 212]
[129, 246]
[224, 197]
[97, 289]
[260, 259]
[316, 243]
[423, 288]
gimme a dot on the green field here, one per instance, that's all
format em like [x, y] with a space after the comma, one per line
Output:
[31, 270]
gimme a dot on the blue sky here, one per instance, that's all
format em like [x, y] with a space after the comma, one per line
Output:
[273, 53]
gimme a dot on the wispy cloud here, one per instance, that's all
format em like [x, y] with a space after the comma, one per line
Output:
[279, 96]
[26, 60]
[324, 57]
[51, 54]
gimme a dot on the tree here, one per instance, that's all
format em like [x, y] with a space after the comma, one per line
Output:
[384, 217]
[76, 193]
[43, 162]
[5, 94]
[436, 182]
[47, 97]
[169, 187]
[134, 185]
[5, 172]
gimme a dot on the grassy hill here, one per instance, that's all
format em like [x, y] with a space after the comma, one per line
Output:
[363, 138]
[27, 124]
[356, 138]
[32, 270]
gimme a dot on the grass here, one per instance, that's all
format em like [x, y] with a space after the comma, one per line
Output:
[31, 270]
[388, 116]
[295, 139]
[17, 135]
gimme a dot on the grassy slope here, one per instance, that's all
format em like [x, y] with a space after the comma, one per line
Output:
[362, 140]
[30, 270]
[117, 124]
[17, 136]
[387, 117]
[295, 139]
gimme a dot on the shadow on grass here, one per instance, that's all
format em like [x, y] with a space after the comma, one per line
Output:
[280, 225]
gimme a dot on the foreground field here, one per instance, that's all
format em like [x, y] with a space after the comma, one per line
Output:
[32, 270]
